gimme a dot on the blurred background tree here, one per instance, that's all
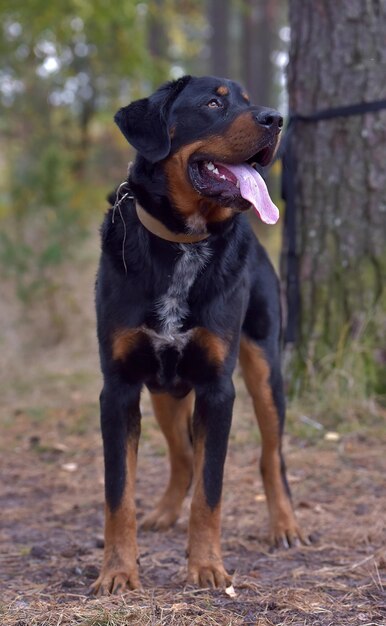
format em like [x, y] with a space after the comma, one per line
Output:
[66, 67]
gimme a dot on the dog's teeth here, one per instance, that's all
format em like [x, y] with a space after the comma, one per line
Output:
[215, 171]
[210, 166]
[223, 177]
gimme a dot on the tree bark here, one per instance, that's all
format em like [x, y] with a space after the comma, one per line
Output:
[338, 57]
[157, 34]
[157, 42]
[257, 44]
[219, 15]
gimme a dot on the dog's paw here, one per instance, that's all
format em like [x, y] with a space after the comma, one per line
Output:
[207, 574]
[115, 582]
[288, 535]
[161, 518]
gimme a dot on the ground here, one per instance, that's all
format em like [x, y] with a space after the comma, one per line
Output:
[51, 502]
[52, 516]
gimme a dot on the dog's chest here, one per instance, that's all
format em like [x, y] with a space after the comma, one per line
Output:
[172, 307]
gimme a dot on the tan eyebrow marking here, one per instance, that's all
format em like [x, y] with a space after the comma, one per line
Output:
[245, 96]
[222, 90]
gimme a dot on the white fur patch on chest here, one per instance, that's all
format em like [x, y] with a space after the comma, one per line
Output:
[172, 307]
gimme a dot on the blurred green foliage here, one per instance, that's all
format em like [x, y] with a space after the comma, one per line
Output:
[64, 69]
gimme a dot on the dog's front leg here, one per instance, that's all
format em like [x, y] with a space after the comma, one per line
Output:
[211, 425]
[120, 423]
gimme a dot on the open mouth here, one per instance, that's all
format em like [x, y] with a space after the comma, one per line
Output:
[238, 185]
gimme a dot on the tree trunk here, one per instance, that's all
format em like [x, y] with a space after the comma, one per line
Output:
[157, 42]
[157, 35]
[219, 13]
[258, 35]
[337, 58]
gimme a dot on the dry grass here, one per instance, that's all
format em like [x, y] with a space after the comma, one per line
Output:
[337, 603]
[51, 507]
[52, 519]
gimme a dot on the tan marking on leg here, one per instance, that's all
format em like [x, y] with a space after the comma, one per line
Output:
[205, 566]
[284, 528]
[214, 346]
[173, 416]
[120, 570]
[124, 341]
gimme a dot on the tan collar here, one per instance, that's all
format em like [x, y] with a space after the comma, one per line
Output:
[160, 230]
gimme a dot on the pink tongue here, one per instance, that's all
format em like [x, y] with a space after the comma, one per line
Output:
[254, 189]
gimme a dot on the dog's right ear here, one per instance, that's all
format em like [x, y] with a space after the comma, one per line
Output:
[141, 124]
[144, 122]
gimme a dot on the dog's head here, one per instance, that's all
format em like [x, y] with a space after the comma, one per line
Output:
[207, 139]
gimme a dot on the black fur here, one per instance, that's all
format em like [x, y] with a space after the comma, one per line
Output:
[236, 292]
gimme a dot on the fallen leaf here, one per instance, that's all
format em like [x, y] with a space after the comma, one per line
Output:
[260, 497]
[230, 591]
[70, 467]
[332, 436]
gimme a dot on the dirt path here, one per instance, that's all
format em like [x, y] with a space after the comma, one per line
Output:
[51, 505]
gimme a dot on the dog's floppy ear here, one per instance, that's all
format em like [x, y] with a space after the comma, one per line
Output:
[144, 122]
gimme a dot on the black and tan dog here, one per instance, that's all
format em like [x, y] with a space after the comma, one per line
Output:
[183, 290]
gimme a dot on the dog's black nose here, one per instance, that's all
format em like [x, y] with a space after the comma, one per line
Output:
[270, 119]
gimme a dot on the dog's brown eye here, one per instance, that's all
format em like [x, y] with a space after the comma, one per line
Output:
[214, 103]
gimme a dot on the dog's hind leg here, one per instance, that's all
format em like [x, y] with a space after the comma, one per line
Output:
[265, 386]
[173, 416]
